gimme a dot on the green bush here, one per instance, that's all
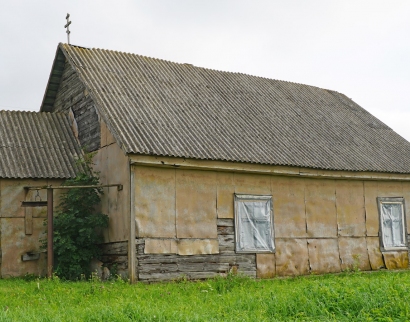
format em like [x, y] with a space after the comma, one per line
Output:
[77, 226]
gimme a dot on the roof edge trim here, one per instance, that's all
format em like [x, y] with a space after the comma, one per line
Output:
[57, 69]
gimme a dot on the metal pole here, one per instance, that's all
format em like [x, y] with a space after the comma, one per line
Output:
[50, 230]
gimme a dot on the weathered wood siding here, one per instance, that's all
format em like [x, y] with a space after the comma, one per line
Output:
[115, 258]
[72, 94]
[158, 267]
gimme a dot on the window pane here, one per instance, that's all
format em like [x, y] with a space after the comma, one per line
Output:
[254, 225]
[392, 224]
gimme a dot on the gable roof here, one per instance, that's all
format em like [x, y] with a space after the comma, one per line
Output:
[157, 107]
[37, 145]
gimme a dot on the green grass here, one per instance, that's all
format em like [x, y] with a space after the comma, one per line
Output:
[378, 296]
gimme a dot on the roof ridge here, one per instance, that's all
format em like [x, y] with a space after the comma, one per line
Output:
[195, 66]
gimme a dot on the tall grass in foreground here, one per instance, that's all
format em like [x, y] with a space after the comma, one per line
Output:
[378, 296]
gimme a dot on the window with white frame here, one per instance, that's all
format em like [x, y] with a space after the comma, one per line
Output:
[254, 224]
[392, 223]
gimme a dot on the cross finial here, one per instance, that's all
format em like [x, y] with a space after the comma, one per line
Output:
[68, 27]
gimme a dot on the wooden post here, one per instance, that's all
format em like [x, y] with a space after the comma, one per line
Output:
[50, 229]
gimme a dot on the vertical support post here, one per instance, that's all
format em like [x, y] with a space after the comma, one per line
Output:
[131, 241]
[50, 230]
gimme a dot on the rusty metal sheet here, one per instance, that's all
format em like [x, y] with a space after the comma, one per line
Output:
[160, 246]
[197, 246]
[249, 184]
[291, 257]
[225, 192]
[324, 255]
[196, 204]
[353, 253]
[351, 219]
[289, 206]
[155, 201]
[321, 208]
[406, 195]
[396, 260]
[265, 265]
[372, 213]
[375, 255]
[15, 243]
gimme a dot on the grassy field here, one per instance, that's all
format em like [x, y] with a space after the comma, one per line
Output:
[378, 296]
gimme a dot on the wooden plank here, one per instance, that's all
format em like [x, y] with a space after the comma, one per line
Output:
[120, 248]
[226, 243]
[226, 230]
[34, 203]
[158, 268]
[206, 267]
[225, 222]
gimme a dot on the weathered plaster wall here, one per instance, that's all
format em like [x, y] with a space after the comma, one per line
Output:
[21, 228]
[113, 166]
[321, 225]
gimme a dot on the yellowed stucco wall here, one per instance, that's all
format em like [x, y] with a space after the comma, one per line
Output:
[321, 225]
[113, 165]
[22, 227]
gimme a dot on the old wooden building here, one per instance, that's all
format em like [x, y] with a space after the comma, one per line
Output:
[225, 171]
[36, 149]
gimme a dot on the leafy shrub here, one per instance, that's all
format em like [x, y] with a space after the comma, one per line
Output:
[77, 226]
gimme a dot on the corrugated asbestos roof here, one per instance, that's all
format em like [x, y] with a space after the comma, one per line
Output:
[157, 107]
[37, 145]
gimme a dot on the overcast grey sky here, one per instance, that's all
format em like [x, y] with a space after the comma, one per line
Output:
[360, 48]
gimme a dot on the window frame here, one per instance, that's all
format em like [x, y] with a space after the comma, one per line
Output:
[394, 200]
[255, 198]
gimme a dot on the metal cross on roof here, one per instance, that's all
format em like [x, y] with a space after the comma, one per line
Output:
[68, 28]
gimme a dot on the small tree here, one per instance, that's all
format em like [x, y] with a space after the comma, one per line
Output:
[77, 226]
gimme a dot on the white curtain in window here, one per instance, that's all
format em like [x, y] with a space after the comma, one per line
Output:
[392, 218]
